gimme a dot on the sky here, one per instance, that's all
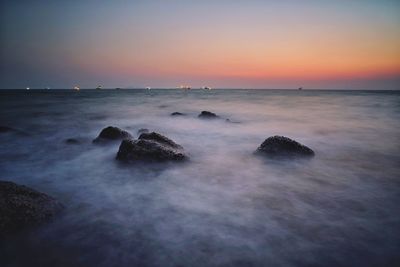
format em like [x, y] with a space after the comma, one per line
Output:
[318, 44]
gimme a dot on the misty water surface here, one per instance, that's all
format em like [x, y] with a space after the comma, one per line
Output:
[225, 207]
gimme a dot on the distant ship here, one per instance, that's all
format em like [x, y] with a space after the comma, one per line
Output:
[99, 87]
[185, 87]
[76, 88]
[47, 88]
[148, 88]
[27, 88]
[117, 88]
[300, 88]
[206, 88]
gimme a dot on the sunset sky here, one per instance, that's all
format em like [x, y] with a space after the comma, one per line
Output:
[345, 44]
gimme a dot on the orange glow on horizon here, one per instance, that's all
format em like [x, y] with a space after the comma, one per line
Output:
[308, 52]
[258, 61]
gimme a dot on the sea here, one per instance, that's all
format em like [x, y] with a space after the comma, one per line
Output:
[225, 206]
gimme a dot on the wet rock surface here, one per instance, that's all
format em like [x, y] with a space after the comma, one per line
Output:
[283, 146]
[112, 133]
[22, 207]
[207, 115]
[151, 147]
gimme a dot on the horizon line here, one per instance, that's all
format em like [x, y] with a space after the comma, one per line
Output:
[185, 90]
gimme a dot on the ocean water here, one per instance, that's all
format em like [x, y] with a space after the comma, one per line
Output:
[224, 207]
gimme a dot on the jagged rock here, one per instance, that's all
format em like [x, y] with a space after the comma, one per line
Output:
[150, 147]
[207, 115]
[142, 130]
[283, 146]
[112, 133]
[21, 207]
[177, 114]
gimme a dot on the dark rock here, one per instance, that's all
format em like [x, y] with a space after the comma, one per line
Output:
[177, 114]
[159, 139]
[5, 129]
[112, 133]
[142, 130]
[150, 147]
[21, 207]
[283, 146]
[72, 141]
[207, 115]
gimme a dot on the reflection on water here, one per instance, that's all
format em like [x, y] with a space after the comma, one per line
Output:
[223, 208]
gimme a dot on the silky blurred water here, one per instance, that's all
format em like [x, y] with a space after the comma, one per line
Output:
[225, 207]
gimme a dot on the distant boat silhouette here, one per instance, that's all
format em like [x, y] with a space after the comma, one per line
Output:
[27, 88]
[300, 88]
[98, 87]
[206, 88]
[185, 87]
[76, 88]
[148, 88]
[117, 88]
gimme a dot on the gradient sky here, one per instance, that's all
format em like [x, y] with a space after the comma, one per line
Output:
[345, 44]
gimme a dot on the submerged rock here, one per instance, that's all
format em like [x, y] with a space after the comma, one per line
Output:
[208, 115]
[142, 130]
[177, 114]
[72, 141]
[21, 207]
[283, 146]
[230, 121]
[150, 147]
[112, 133]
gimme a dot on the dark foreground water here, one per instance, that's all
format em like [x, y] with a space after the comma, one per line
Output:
[225, 207]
